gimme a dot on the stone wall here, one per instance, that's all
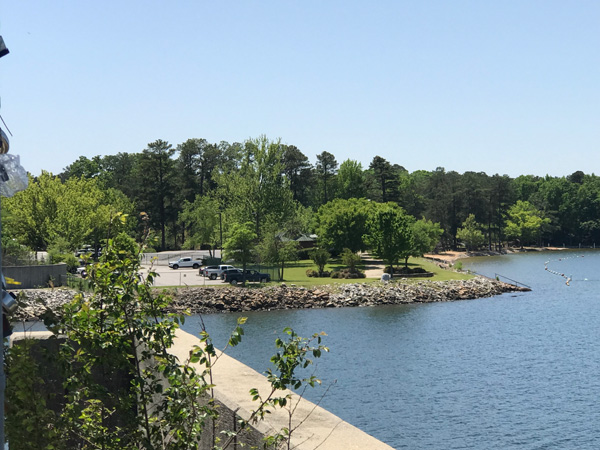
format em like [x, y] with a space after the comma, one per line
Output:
[210, 300]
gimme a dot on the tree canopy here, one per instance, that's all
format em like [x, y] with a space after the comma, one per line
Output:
[183, 189]
[389, 233]
[343, 223]
[77, 212]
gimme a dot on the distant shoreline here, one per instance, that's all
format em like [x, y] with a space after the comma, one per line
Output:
[450, 257]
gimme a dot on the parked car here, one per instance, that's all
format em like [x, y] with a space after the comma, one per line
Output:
[213, 272]
[235, 277]
[185, 262]
[227, 274]
[88, 250]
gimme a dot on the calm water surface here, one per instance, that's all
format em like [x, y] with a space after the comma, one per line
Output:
[510, 372]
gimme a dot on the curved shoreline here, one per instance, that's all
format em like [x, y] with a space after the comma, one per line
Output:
[202, 300]
[450, 257]
[206, 301]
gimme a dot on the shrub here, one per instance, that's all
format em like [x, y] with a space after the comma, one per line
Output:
[72, 261]
[405, 270]
[348, 274]
[350, 259]
[320, 257]
[316, 274]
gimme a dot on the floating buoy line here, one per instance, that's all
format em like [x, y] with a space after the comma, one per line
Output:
[568, 278]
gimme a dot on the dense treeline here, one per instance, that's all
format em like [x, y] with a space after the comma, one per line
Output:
[194, 193]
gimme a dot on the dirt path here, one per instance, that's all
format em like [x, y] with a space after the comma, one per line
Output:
[448, 257]
[373, 267]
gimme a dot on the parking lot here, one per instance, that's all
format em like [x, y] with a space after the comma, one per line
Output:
[179, 277]
[164, 258]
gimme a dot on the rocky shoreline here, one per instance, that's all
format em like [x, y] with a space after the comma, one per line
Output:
[232, 299]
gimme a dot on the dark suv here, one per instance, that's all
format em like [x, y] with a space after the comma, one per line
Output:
[237, 276]
[231, 273]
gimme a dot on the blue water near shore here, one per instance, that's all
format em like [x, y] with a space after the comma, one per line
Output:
[517, 371]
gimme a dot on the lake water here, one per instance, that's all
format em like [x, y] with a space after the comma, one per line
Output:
[510, 372]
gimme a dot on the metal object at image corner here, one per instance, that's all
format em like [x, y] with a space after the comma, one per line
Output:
[3, 50]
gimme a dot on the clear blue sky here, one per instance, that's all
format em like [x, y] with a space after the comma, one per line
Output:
[509, 87]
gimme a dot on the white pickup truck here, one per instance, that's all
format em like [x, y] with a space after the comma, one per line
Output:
[214, 272]
[186, 262]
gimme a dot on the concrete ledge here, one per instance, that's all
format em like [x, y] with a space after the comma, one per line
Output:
[317, 427]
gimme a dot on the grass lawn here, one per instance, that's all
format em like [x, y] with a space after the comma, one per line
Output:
[438, 273]
[295, 273]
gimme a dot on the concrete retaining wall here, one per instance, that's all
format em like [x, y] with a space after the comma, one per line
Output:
[313, 426]
[316, 427]
[32, 277]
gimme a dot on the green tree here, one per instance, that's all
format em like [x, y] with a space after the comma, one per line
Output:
[320, 257]
[389, 233]
[413, 192]
[30, 213]
[343, 223]
[325, 170]
[278, 249]
[121, 172]
[384, 179]
[83, 168]
[299, 172]
[524, 223]
[471, 234]
[202, 219]
[443, 203]
[156, 172]
[78, 211]
[188, 183]
[350, 259]
[500, 197]
[426, 235]
[525, 186]
[197, 161]
[240, 245]
[350, 180]
[586, 204]
[257, 192]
